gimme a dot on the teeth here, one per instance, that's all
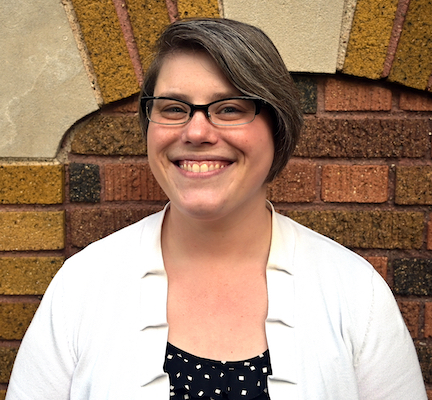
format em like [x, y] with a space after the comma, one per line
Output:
[197, 168]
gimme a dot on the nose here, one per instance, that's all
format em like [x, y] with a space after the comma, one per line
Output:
[199, 129]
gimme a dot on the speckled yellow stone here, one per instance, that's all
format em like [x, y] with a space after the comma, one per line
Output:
[147, 18]
[31, 184]
[197, 8]
[369, 38]
[107, 48]
[412, 65]
[15, 319]
[27, 275]
[39, 230]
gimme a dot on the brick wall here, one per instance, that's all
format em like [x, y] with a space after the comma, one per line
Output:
[362, 175]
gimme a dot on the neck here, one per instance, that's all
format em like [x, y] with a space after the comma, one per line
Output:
[230, 242]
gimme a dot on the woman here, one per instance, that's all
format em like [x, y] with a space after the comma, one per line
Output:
[217, 296]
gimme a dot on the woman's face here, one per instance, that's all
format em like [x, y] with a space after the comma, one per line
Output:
[229, 163]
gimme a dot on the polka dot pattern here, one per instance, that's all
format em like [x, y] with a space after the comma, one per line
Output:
[195, 378]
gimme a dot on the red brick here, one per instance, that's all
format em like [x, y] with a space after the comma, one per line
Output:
[343, 95]
[125, 182]
[429, 233]
[355, 183]
[380, 264]
[410, 311]
[411, 101]
[429, 394]
[428, 320]
[295, 184]
[90, 225]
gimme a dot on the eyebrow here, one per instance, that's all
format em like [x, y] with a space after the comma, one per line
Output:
[215, 96]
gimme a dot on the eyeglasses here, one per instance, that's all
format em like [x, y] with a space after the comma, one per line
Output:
[227, 112]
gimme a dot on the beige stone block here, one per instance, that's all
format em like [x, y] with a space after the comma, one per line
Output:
[44, 88]
[306, 33]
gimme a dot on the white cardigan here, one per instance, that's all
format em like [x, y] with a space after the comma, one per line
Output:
[333, 327]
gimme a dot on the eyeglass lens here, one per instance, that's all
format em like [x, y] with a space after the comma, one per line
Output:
[224, 112]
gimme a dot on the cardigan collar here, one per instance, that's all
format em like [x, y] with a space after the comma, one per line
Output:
[280, 317]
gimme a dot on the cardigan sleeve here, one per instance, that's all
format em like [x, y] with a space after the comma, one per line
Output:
[45, 362]
[386, 365]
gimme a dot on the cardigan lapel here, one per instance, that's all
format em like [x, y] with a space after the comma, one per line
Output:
[280, 322]
[153, 311]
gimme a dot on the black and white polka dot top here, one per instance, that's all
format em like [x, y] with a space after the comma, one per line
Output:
[194, 377]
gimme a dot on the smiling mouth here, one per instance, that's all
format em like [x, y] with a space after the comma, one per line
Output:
[201, 166]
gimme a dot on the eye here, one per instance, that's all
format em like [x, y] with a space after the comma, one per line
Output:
[233, 109]
[169, 109]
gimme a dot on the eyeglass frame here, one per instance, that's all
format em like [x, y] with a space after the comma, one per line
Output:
[205, 107]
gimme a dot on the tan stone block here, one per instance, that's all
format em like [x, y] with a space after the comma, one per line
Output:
[27, 275]
[32, 230]
[369, 38]
[380, 264]
[354, 183]
[125, 182]
[295, 184]
[366, 229]
[412, 64]
[198, 8]
[107, 48]
[109, 135]
[413, 185]
[147, 18]
[15, 319]
[7, 358]
[31, 184]
[343, 95]
[2, 394]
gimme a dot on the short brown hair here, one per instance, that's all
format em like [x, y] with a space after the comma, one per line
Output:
[250, 61]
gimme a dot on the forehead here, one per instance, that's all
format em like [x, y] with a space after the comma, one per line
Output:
[191, 72]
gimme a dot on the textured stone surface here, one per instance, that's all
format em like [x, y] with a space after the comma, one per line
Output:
[411, 101]
[125, 182]
[109, 135]
[7, 358]
[44, 88]
[380, 264]
[90, 225]
[428, 320]
[15, 319]
[36, 230]
[84, 183]
[307, 37]
[349, 95]
[412, 65]
[369, 37]
[424, 352]
[366, 229]
[414, 185]
[354, 183]
[27, 275]
[147, 18]
[2, 394]
[308, 91]
[295, 184]
[410, 311]
[197, 8]
[413, 276]
[107, 48]
[31, 184]
[325, 137]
